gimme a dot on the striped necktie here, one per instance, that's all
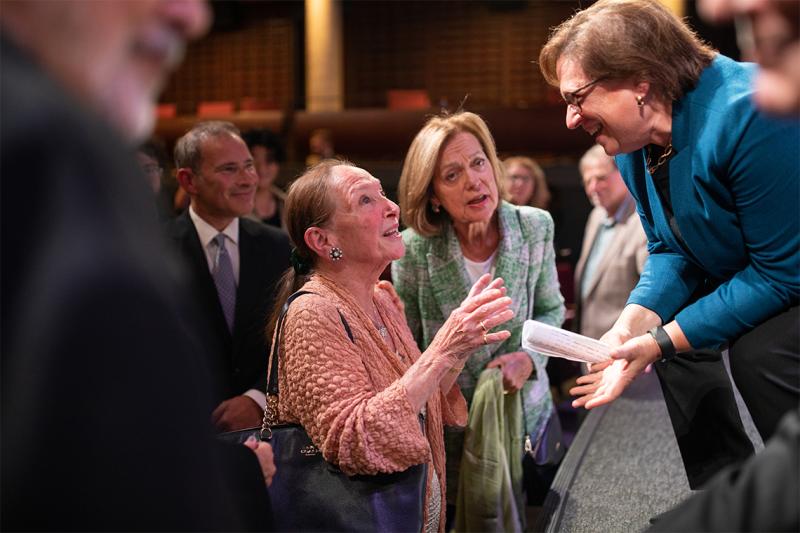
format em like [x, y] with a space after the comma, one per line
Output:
[224, 280]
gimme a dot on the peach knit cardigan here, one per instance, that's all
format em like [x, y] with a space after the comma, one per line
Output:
[347, 395]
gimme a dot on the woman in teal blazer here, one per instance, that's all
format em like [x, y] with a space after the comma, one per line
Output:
[458, 229]
[717, 187]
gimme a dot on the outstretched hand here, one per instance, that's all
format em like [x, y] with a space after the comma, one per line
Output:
[606, 381]
[485, 307]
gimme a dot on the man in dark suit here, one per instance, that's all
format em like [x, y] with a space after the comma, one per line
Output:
[104, 401]
[235, 264]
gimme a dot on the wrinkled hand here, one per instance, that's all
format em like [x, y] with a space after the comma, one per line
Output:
[239, 412]
[387, 286]
[485, 307]
[263, 452]
[606, 381]
[516, 368]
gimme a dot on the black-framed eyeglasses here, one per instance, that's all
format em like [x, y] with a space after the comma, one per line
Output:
[574, 98]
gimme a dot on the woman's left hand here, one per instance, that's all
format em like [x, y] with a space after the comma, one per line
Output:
[516, 368]
[606, 381]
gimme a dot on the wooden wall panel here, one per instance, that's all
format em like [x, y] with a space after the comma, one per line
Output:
[451, 49]
[256, 60]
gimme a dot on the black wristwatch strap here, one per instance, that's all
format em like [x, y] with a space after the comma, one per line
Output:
[664, 343]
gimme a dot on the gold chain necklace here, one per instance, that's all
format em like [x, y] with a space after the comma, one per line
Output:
[661, 160]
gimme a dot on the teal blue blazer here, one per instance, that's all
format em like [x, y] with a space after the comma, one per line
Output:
[735, 192]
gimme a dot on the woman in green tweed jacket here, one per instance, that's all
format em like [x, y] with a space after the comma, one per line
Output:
[458, 229]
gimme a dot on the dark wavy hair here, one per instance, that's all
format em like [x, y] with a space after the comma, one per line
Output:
[623, 39]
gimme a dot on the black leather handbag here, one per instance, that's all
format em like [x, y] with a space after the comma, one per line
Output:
[540, 461]
[310, 494]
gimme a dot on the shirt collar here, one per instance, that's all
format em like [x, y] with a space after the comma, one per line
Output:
[207, 232]
[623, 212]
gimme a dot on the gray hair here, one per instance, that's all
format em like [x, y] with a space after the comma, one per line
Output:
[595, 154]
[187, 149]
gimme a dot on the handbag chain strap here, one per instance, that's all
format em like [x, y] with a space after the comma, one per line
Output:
[270, 417]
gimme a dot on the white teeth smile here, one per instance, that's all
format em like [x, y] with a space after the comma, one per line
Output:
[390, 233]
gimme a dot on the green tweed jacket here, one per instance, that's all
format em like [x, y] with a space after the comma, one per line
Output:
[432, 281]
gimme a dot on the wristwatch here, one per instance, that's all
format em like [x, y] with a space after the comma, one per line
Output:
[664, 343]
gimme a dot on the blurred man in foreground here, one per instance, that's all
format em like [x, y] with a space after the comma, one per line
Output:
[104, 407]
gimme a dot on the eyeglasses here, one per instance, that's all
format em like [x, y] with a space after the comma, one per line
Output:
[574, 98]
[151, 169]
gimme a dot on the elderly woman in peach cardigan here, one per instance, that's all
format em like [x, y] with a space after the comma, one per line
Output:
[360, 400]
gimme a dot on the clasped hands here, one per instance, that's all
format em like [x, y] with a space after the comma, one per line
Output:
[606, 381]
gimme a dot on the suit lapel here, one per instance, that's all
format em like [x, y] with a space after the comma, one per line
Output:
[614, 247]
[588, 242]
[198, 263]
[511, 253]
[247, 291]
[448, 277]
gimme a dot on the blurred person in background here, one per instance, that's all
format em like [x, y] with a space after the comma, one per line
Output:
[320, 146]
[152, 159]
[525, 183]
[769, 32]
[268, 155]
[614, 246]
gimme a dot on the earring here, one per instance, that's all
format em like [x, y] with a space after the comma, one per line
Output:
[639, 100]
[336, 253]
[435, 207]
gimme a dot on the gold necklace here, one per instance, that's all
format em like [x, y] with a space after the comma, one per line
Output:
[661, 160]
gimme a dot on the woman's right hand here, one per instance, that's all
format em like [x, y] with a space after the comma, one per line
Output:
[485, 307]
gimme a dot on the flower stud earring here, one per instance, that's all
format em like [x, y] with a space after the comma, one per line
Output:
[336, 253]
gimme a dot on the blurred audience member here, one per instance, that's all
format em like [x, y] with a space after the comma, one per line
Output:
[320, 146]
[525, 183]
[769, 32]
[234, 265]
[268, 155]
[614, 246]
[152, 158]
[459, 229]
[104, 400]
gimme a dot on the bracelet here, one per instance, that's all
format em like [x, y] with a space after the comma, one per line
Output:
[664, 343]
